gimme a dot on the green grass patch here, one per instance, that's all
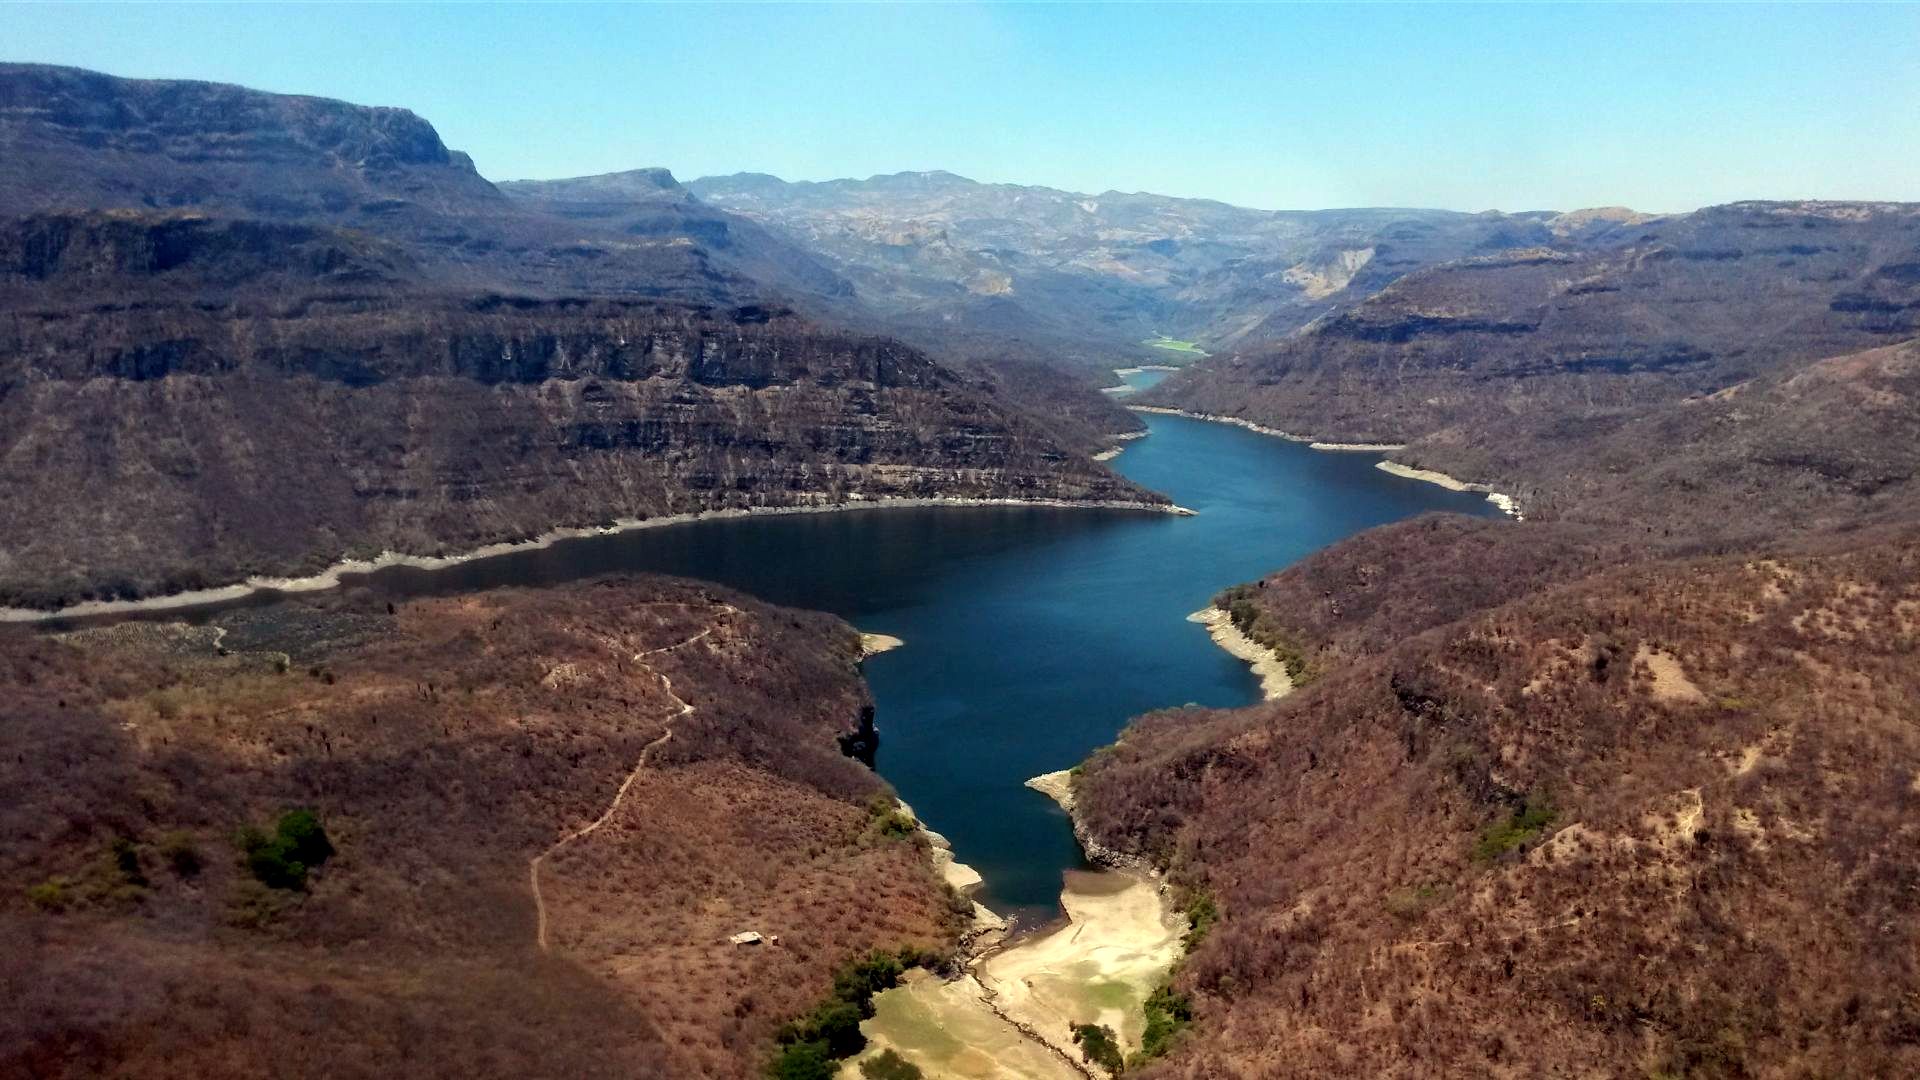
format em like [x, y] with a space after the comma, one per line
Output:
[1410, 902]
[1525, 825]
[1109, 995]
[886, 822]
[53, 894]
[115, 879]
[1162, 341]
[1265, 632]
[1201, 913]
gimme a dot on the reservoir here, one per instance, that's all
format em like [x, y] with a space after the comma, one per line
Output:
[1032, 633]
[1135, 379]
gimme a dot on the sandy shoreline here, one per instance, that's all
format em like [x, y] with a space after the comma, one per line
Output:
[875, 644]
[1216, 419]
[1009, 1013]
[1434, 476]
[1507, 504]
[987, 924]
[1275, 683]
[1123, 438]
[330, 577]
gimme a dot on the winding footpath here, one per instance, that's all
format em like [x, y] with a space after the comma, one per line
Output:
[646, 753]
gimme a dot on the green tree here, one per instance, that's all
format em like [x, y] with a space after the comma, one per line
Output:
[803, 1061]
[306, 841]
[281, 861]
[1099, 1045]
[1167, 1014]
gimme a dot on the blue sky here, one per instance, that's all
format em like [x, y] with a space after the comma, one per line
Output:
[1660, 107]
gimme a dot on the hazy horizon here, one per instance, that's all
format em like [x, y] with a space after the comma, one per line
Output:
[1659, 108]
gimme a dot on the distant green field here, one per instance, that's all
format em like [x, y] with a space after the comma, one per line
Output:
[1171, 345]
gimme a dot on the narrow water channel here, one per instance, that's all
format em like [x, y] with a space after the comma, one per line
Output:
[1032, 633]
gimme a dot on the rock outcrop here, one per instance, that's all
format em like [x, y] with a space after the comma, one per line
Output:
[244, 333]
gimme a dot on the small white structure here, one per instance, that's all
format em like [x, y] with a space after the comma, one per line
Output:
[747, 937]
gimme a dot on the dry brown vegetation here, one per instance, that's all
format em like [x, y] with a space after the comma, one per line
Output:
[1625, 789]
[444, 746]
[1654, 822]
[1538, 342]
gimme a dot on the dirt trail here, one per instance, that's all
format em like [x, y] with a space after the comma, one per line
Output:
[646, 753]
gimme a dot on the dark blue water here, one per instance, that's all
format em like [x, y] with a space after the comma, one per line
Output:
[1032, 634]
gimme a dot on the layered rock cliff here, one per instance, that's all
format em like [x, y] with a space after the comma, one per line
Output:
[245, 333]
[1539, 339]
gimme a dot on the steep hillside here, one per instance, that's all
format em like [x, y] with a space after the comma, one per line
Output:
[203, 377]
[649, 205]
[1021, 370]
[1650, 822]
[548, 812]
[79, 140]
[1617, 790]
[1089, 276]
[1545, 339]
[1806, 448]
[210, 433]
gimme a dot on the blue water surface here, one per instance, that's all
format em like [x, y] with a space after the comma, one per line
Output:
[1032, 633]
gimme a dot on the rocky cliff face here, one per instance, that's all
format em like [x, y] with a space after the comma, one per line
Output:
[1091, 276]
[283, 330]
[172, 444]
[167, 143]
[79, 140]
[1659, 311]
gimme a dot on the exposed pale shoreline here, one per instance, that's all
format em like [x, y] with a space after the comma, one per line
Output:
[987, 925]
[330, 577]
[1507, 504]
[1114, 451]
[1007, 1014]
[1217, 419]
[1058, 786]
[875, 644]
[1434, 476]
[1275, 683]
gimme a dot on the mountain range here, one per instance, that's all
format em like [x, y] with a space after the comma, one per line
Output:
[1619, 788]
[245, 333]
[1093, 276]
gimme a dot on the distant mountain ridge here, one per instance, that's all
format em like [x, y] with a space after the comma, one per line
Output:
[1549, 346]
[1099, 273]
[167, 143]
